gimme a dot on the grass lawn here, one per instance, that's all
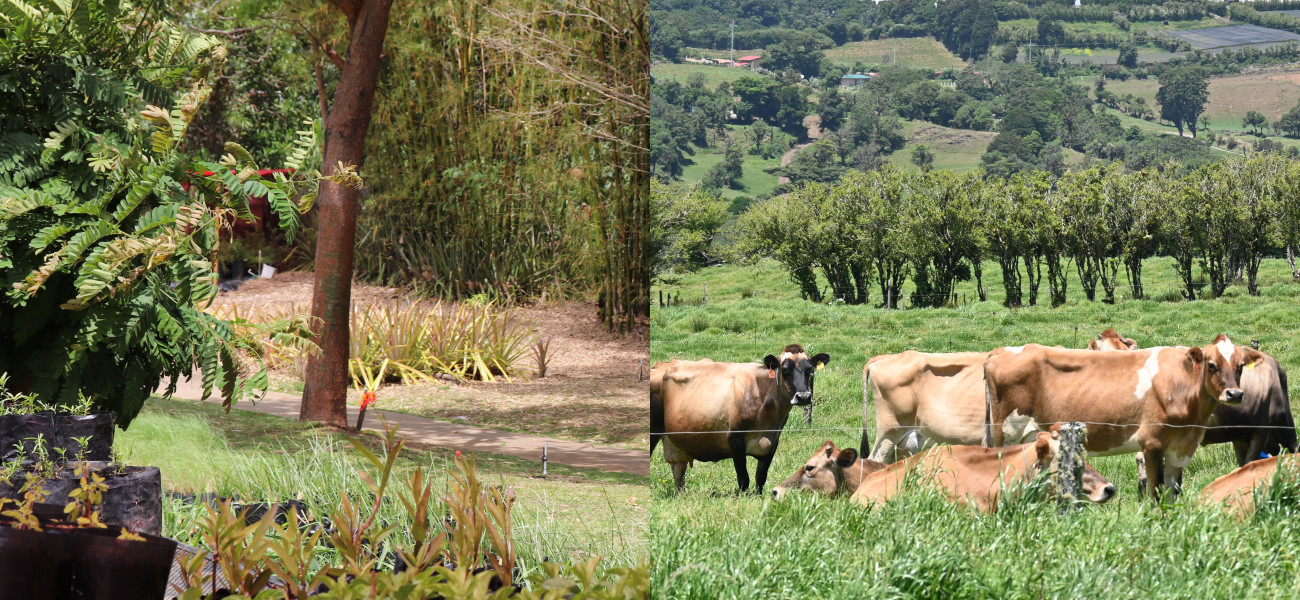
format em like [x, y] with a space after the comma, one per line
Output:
[713, 74]
[710, 543]
[573, 514]
[920, 52]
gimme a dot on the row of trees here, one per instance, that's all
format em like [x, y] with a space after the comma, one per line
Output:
[879, 229]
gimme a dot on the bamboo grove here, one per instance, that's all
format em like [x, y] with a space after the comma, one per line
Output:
[508, 154]
[879, 229]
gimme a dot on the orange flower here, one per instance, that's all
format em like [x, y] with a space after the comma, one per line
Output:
[367, 399]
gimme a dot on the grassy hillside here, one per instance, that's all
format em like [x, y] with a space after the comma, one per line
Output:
[1272, 93]
[710, 543]
[922, 52]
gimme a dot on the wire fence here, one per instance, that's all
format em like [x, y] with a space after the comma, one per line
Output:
[915, 427]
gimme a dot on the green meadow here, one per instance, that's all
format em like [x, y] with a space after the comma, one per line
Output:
[710, 542]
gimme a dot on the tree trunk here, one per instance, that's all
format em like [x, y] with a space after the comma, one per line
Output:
[978, 268]
[1134, 267]
[1057, 278]
[1033, 271]
[1010, 280]
[326, 389]
[1290, 260]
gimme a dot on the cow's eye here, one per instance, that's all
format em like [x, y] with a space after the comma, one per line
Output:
[809, 468]
[1214, 368]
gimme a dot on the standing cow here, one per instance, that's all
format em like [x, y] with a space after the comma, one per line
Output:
[925, 398]
[1155, 401]
[711, 411]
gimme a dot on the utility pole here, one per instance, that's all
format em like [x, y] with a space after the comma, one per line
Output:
[733, 42]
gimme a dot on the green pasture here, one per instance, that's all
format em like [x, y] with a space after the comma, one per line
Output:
[918, 52]
[754, 181]
[713, 74]
[573, 514]
[709, 542]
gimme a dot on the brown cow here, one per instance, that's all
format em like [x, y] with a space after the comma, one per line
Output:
[1261, 424]
[830, 471]
[1155, 400]
[976, 475]
[708, 411]
[924, 399]
[1112, 340]
[1236, 490]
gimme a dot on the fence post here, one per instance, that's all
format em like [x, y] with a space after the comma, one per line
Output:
[1069, 468]
[706, 293]
[661, 298]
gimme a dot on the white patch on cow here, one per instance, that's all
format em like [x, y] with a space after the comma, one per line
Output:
[1014, 349]
[1147, 373]
[1129, 446]
[912, 443]
[1172, 459]
[1018, 429]
[1226, 348]
[759, 446]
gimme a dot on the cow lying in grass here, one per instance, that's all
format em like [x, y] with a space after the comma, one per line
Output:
[970, 474]
[1236, 490]
[831, 471]
[977, 475]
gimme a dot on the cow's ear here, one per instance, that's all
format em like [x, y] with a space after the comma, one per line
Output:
[1196, 355]
[1132, 345]
[847, 457]
[1043, 446]
[771, 362]
[1250, 357]
[1093, 344]
[820, 360]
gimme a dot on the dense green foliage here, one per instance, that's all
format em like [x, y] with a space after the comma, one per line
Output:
[517, 128]
[1223, 218]
[708, 542]
[1182, 97]
[106, 256]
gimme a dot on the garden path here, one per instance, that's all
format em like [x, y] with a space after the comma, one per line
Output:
[467, 438]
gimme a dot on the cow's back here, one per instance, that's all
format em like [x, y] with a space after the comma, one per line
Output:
[970, 474]
[1040, 386]
[1236, 490]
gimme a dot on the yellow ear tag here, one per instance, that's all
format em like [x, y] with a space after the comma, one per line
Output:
[1251, 364]
[820, 365]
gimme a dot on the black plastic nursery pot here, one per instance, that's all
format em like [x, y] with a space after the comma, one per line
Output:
[35, 565]
[58, 431]
[133, 499]
[108, 568]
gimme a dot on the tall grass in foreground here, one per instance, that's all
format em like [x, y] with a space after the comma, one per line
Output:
[706, 542]
[195, 458]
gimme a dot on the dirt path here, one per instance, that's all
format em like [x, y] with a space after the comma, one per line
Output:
[788, 157]
[592, 392]
[455, 435]
[813, 123]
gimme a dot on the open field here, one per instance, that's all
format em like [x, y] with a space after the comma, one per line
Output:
[710, 543]
[921, 52]
[954, 149]
[571, 515]
[1270, 91]
[713, 74]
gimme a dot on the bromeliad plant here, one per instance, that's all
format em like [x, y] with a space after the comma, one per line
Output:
[107, 233]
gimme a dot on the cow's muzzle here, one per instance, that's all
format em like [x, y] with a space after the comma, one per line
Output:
[1105, 493]
[801, 398]
[1233, 396]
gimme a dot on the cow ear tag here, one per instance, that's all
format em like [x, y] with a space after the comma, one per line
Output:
[820, 365]
[1251, 364]
[771, 373]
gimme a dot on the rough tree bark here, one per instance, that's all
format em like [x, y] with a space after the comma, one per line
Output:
[325, 392]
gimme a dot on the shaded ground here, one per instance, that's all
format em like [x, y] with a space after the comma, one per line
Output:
[591, 392]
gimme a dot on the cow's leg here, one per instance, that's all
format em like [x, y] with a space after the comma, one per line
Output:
[1243, 452]
[1256, 447]
[679, 474]
[760, 474]
[1142, 474]
[884, 450]
[737, 444]
[1155, 460]
[1173, 478]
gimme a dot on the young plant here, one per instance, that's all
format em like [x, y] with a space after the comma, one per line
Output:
[83, 501]
[541, 354]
